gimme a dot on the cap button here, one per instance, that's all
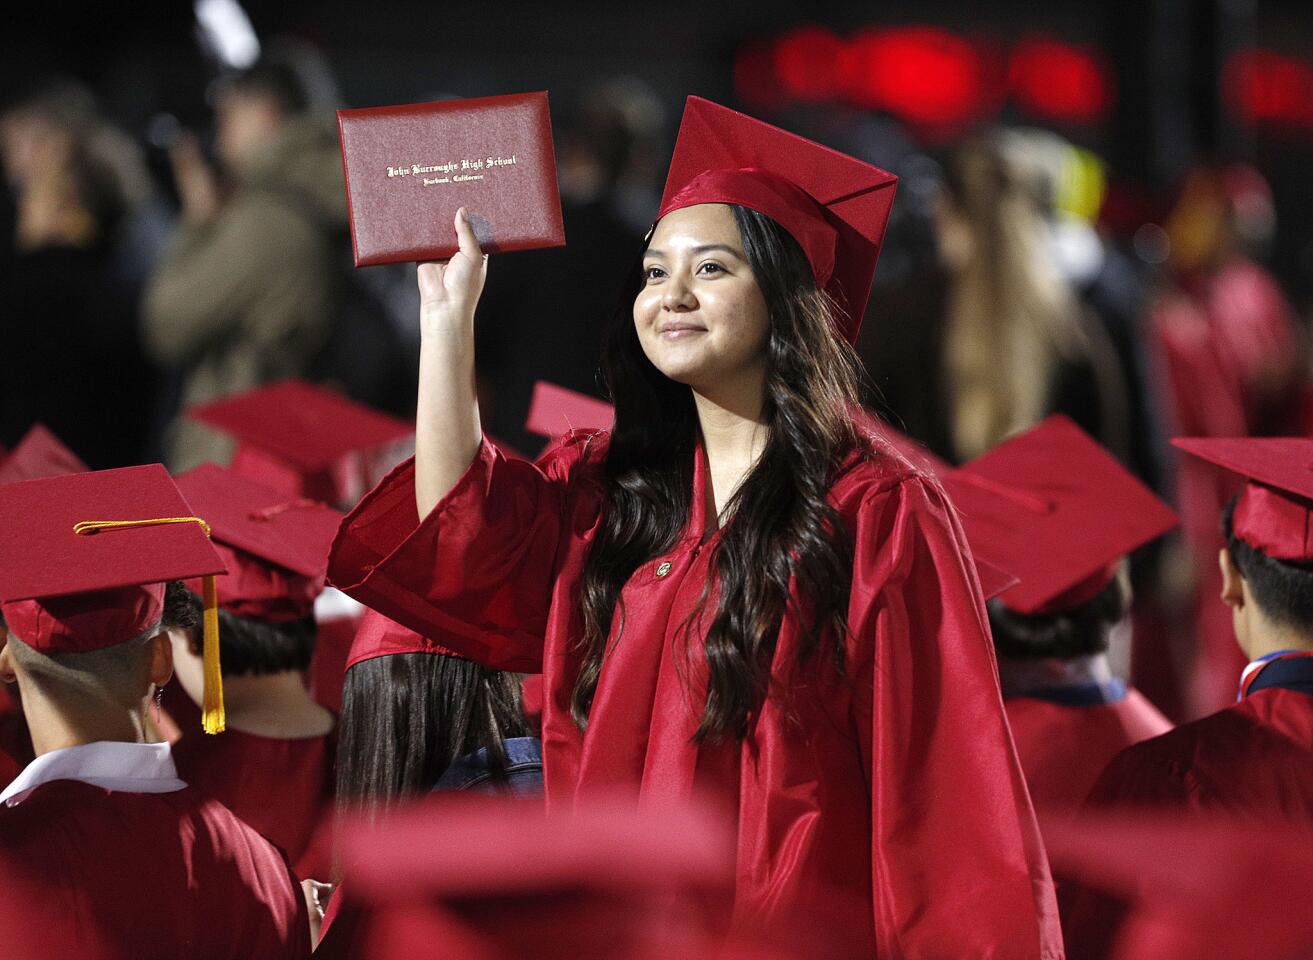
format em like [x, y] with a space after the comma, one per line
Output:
[663, 569]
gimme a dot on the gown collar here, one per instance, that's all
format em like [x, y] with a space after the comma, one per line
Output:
[1287, 669]
[703, 525]
[111, 765]
[1074, 682]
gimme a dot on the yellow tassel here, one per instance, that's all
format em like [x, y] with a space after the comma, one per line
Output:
[212, 713]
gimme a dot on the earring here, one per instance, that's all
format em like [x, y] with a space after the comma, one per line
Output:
[159, 695]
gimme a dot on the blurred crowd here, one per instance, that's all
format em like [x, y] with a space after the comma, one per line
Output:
[1018, 280]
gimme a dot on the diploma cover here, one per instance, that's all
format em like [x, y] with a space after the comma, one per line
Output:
[409, 168]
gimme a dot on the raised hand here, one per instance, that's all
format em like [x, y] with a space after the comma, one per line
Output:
[449, 289]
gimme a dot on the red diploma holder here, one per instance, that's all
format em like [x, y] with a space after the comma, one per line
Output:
[410, 168]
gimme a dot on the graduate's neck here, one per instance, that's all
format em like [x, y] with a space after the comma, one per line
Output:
[274, 705]
[1262, 637]
[734, 435]
[54, 725]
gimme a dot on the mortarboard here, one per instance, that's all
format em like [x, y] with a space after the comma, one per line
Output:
[1275, 508]
[603, 879]
[835, 206]
[554, 411]
[377, 636]
[293, 435]
[275, 547]
[39, 454]
[84, 559]
[1185, 882]
[1057, 510]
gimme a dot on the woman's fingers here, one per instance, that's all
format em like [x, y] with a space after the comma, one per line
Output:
[454, 285]
[431, 288]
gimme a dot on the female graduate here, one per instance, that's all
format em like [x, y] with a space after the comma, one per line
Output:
[417, 718]
[739, 593]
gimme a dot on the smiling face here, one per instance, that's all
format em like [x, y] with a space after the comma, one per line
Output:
[700, 315]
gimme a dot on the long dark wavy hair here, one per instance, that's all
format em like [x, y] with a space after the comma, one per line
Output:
[781, 530]
[406, 717]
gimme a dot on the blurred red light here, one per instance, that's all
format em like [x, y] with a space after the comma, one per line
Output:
[924, 75]
[1269, 88]
[806, 64]
[1059, 81]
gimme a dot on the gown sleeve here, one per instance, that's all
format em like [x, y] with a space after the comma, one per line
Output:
[477, 573]
[958, 866]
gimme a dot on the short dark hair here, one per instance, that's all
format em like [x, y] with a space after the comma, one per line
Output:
[249, 646]
[407, 716]
[1074, 633]
[1282, 590]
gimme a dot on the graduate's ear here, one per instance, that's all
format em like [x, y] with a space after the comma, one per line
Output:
[7, 673]
[161, 658]
[1233, 586]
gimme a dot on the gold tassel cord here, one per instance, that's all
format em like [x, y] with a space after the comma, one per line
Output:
[212, 713]
[213, 717]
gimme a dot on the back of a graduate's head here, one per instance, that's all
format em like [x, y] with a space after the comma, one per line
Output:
[117, 676]
[407, 716]
[1282, 590]
[250, 646]
[1082, 631]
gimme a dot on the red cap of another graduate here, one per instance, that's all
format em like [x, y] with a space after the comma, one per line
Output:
[1057, 510]
[1186, 883]
[377, 636]
[835, 206]
[84, 559]
[275, 546]
[1275, 511]
[294, 436]
[554, 411]
[500, 878]
[39, 454]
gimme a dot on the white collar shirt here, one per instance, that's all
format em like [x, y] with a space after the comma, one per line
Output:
[111, 765]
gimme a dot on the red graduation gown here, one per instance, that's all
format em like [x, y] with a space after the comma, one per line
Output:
[895, 792]
[1064, 748]
[283, 788]
[151, 875]
[1253, 759]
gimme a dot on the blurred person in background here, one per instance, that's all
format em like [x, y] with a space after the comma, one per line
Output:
[1067, 185]
[86, 225]
[245, 293]
[1070, 186]
[1017, 344]
[1233, 359]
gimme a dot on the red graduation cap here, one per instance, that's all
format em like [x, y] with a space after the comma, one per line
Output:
[601, 880]
[835, 206]
[554, 411]
[377, 636]
[1275, 507]
[39, 454]
[1057, 510]
[84, 559]
[294, 436]
[1186, 881]
[275, 546]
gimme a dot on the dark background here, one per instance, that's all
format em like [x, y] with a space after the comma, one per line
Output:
[1167, 59]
